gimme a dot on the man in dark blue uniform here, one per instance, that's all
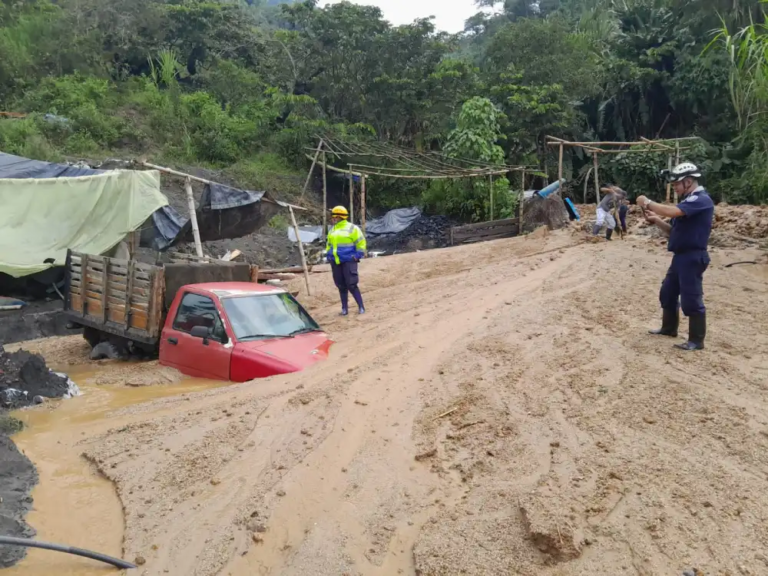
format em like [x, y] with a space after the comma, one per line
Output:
[688, 233]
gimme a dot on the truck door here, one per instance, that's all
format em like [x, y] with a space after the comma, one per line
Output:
[191, 355]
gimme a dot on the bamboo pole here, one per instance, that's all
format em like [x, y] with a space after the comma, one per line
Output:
[204, 181]
[597, 179]
[558, 141]
[325, 202]
[560, 168]
[193, 217]
[490, 182]
[351, 198]
[669, 185]
[362, 202]
[301, 251]
[314, 162]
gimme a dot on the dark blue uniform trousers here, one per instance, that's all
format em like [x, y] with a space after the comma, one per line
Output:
[684, 280]
[346, 278]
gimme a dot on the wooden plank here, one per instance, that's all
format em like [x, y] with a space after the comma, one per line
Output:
[479, 229]
[117, 315]
[128, 294]
[156, 302]
[105, 292]
[76, 302]
[84, 280]
[460, 234]
[478, 225]
[139, 321]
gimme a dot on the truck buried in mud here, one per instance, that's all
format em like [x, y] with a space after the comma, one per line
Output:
[206, 319]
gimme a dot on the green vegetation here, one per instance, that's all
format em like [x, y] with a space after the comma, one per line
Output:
[245, 85]
[10, 425]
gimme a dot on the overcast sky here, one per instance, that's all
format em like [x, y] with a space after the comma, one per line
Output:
[449, 14]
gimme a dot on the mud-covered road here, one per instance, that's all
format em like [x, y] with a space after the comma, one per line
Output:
[500, 409]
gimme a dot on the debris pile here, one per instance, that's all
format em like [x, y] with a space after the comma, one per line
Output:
[26, 380]
[749, 221]
[425, 233]
[268, 248]
[549, 212]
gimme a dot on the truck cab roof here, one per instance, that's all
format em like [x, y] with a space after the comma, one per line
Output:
[233, 289]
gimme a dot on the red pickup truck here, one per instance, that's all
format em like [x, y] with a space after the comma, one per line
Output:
[233, 329]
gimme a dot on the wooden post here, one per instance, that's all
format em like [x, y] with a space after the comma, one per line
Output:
[351, 197]
[301, 250]
[597, 179]
[312, 169]
[325, 202]
[193, 217]
[134, 240]
[560, 169]
[490, 182]
[362, 201]
[669, 186]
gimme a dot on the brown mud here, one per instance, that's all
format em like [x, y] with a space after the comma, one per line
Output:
[500, 409]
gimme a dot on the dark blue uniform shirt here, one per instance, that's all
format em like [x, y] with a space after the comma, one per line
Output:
[690, 233]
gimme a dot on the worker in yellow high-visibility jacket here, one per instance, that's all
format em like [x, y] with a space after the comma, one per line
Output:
[344, 249]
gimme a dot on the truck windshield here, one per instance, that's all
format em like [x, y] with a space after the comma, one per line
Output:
[267, 316]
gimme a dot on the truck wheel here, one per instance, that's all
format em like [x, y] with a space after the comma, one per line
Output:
[91, 335]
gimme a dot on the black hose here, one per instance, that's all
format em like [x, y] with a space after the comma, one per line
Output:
[11, 541]
[737, 263]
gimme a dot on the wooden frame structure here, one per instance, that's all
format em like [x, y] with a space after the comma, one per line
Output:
[408, 164]
[672, 147]
[193, 215]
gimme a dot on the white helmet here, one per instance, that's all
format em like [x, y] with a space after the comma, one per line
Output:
[682, 171]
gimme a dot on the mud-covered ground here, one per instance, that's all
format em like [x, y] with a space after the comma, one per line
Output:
[24, 380]
[500, 409]
[17, 477]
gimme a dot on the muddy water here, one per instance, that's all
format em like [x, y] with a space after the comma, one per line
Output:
[73, 503]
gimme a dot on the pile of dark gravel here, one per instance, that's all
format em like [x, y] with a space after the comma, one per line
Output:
[24, 377]
[423, 234]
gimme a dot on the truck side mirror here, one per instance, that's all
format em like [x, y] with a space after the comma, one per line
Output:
[201, 332]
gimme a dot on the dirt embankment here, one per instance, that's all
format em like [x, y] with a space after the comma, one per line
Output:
[499, 409]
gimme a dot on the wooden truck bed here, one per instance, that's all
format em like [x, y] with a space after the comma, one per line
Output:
[129, 299]
[122, 297]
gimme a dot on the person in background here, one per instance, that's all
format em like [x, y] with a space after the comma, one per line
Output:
[345, 248]
[623, 209]
[688, 233]
[613, 196]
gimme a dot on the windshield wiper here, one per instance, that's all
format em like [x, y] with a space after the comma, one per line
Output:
[303, 331]
[263, 336]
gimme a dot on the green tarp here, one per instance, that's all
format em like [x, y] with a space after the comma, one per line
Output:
[41, 218]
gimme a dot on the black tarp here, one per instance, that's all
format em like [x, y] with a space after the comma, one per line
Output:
[226, 212]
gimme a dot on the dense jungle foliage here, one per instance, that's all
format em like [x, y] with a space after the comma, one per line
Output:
[247, 84]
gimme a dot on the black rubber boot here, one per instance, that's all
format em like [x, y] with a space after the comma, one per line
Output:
[608, 233]
[595, 229]
[697, 331]
[670, 322]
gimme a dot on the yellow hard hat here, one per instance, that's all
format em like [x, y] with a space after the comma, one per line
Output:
[340, 211]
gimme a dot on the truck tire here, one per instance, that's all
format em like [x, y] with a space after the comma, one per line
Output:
[91, 335]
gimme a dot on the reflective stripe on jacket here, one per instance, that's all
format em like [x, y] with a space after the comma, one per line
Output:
[346, 243]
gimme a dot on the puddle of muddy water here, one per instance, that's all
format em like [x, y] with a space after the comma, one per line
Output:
[73, 504]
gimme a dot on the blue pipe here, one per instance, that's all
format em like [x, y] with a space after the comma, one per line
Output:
[554, 187]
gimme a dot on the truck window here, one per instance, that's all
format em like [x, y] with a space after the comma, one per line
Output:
[196, 310]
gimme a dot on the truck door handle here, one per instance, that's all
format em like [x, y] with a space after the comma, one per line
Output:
[173, 341]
